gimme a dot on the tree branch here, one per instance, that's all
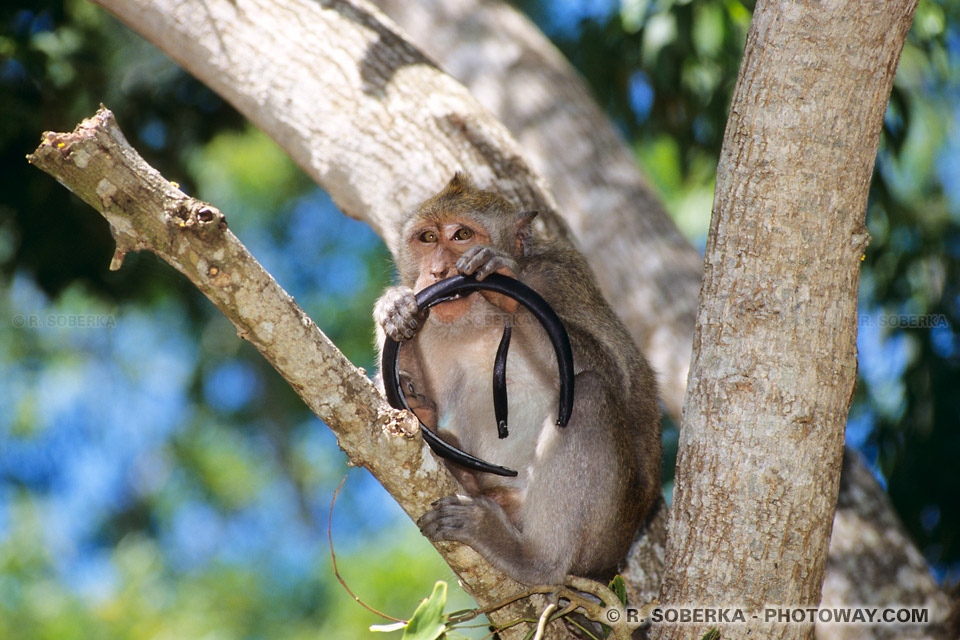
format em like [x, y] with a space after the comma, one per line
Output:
[380, 128]
[365, 114]
[146, 212]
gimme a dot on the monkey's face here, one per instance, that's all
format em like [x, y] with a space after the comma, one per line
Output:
[435, 247]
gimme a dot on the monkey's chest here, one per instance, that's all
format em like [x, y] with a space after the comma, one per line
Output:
[462, 380]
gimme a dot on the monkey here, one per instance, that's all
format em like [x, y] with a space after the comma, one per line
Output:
[581, 491]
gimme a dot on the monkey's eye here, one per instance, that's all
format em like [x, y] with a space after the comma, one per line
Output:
[428, 236]
[463, 233]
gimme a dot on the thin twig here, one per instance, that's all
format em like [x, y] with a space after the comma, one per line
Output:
[333, 557]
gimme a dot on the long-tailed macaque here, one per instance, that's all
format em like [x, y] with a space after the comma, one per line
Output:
[582, 490]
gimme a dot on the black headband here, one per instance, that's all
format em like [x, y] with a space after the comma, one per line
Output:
[513, 288]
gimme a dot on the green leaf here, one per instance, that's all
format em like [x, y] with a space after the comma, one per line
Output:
[713, 634]
[619, 587]
[387, 628]
[428, 621]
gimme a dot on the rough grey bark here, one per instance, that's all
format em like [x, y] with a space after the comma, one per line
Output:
[774, 352]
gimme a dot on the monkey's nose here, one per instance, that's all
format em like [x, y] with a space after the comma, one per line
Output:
[441, 274]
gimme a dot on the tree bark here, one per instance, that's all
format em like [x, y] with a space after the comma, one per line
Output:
[365, 114]
[774, 363]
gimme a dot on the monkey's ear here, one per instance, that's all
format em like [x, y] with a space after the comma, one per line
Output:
[524, 225]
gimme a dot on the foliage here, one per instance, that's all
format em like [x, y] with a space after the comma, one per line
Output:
[619, 587]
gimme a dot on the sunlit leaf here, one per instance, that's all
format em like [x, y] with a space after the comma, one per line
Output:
[428, 621]
[619, 587]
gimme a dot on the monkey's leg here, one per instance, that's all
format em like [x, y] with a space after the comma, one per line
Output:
[575, 516]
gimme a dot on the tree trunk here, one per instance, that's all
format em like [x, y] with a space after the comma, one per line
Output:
[774, 363]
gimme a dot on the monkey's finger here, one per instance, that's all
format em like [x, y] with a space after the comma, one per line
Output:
[473, 259]
[408, 303]
[497, 265]
[398, 331]
[448, 520]
[471, 253]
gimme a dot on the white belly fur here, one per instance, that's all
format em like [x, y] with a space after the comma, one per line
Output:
[458, 363]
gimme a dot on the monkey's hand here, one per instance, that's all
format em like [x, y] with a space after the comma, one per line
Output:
[480, 261]
[397, 312]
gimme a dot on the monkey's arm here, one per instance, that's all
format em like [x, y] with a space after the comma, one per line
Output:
[395, 313]
[561, 276]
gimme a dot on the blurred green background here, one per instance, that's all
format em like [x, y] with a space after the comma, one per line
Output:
[158, 479]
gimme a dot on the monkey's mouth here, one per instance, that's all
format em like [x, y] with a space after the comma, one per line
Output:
[454, 297]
